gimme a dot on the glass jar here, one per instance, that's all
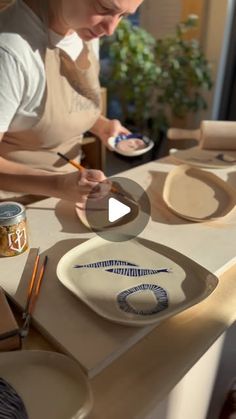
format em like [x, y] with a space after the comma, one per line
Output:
[13, 229]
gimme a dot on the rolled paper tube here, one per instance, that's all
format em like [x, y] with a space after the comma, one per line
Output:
[212, 135]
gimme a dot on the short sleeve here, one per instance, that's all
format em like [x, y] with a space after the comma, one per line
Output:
[11, 88]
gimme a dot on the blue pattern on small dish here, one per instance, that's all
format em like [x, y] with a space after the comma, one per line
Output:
[159, 293]
[122, 137]
[114, 141]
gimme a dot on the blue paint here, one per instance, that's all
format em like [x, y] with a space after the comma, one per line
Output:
[137, 271]
[159, 293]
[106, 263]
[122, 137]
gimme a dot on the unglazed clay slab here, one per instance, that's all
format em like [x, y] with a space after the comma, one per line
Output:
[50, 384]
[197, 195]
[137, 282]
[199, 157]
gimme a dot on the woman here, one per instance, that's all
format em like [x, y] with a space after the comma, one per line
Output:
[50, 94]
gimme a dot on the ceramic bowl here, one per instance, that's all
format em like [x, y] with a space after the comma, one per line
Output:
[115, 144]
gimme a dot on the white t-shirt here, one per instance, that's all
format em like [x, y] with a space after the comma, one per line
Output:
[22, 72]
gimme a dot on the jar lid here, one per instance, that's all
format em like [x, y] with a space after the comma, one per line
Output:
[11, 213]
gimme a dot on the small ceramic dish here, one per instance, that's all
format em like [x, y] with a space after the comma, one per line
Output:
[136, 282]
[130, 145]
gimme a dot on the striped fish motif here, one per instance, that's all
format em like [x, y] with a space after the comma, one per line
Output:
[11, 405]
[106, 263]
[136, 271]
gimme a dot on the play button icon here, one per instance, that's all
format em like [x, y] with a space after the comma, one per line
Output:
[117, 210]
[120, 215]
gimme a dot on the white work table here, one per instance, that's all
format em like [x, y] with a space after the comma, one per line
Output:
[130, 369]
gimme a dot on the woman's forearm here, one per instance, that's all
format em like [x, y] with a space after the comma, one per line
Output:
[75, 186]
[17, 177]
[98, 127]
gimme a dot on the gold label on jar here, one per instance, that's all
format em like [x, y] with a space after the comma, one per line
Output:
[13, 229]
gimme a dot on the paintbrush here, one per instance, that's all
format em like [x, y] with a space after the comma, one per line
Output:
[81, 168]
[33, 292]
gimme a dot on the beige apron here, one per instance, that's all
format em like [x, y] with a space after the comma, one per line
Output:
[72, 106]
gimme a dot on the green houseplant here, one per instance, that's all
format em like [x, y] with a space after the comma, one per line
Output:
[153, 80]
[185, 72]
[132, 71]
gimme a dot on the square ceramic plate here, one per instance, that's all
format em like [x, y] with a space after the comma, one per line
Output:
[136, 283]
[51, 385]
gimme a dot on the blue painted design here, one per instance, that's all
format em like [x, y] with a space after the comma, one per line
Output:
[159, 293]
[122, 137]
[137, 271]
[106, 263]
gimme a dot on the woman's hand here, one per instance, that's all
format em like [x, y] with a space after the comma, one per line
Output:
[80, 185]
[105, 128]
[76, 186]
